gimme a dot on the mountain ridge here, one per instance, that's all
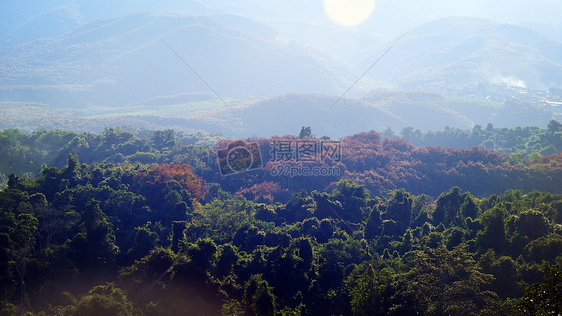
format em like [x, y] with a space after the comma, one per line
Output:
[113, 55]
[469, 51]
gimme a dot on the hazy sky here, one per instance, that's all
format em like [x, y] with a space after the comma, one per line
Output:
[500, 10]
[13, 13]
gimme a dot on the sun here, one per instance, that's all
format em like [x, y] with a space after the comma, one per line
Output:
[349, 12]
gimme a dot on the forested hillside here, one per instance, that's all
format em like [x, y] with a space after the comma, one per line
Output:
[280, 158]
[524, 158]
[143, 223]
[522, 141]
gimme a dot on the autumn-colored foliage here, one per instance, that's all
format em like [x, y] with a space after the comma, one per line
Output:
[393, 163]
[174, 172]
[266, 192]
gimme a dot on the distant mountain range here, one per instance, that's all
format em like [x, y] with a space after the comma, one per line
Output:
[120, 71]
[118, 61]
[282, 115]
[467, 51]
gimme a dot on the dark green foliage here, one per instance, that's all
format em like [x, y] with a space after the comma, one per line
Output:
[546, 248]
[258, 297]
[493, 234]
[526, 140]
[443, 282]
[145, 241]
[532, 224]
[23, 153]
[544, 298]
[171, 243]
[97, 239]
[373, 227]
[150, 268]
[505, 271]
[298, 208]
[453, 207]
[202, 253]
[305, 132]
[325, 231]
[399, 208]
[326, 206]
[227, 258]
[267, 258]
[178, 234]
[353, 198]
[371, 290]
[100, 300]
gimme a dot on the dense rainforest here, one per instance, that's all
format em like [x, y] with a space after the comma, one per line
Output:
[146, 223]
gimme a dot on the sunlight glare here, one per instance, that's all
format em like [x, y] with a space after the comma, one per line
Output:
[349, 12]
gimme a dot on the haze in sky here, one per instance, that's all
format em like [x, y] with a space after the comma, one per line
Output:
[15, 13]
[106, 58]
